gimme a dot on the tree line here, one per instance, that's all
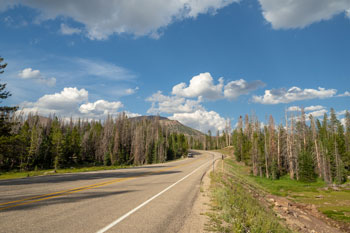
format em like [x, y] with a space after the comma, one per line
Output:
[37, 142]
[303, 148]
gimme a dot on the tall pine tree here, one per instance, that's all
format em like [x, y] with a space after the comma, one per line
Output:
[7, 140]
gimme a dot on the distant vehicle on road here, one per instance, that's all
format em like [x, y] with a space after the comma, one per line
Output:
[190, 155]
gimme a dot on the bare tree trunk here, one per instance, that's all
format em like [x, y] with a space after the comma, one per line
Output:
[325, 167]
[272, 146]
[319, 162]
[289, 148]
[255, 159]
[318, 157]
[226, 133]
[337, 161]
[229, 132]
[255, 150]
[217, 139]
[279, 151]
[293, 150]
[266, 156]
[303, 120]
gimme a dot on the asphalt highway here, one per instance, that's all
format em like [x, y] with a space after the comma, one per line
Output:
[154, 198]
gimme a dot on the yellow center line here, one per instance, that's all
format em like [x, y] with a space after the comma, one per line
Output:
[79, 189]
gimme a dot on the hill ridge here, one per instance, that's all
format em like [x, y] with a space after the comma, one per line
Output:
[172, 125]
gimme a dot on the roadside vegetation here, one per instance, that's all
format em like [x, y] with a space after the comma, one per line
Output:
[305, 159]
[233, 209]
[331, 200]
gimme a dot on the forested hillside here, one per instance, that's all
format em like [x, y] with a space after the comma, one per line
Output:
[172, 126]
[304, 147]
[40, 142]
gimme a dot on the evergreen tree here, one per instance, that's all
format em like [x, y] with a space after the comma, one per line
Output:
[57, 144]
[346, 158]
[305, 150]
[341, 154]
[7, 140]
[306, 167]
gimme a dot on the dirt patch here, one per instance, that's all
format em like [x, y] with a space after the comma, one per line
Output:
[301, 217]
[297, 216]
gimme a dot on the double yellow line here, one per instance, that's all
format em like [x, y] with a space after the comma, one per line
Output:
[29, 200]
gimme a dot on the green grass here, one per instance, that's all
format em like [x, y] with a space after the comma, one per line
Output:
[340, 215]
[23, 174]
[334, 204]
[236, 210]
[285, 186]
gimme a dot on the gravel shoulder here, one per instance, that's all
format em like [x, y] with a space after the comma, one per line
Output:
[198, 219]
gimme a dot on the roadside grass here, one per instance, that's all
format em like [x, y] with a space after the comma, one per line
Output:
[334, 203]
[236, 210]
[23, 174]
[228, 151]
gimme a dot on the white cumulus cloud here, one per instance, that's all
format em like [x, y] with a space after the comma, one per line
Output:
[29, 73]
[284, 14]
[203, 86]
[64, 103]
[345, 94]
[100, 108]
[314, 108]
[201, 120]
[306, 109]
[74, 102]
[343, 112]
[318, 113]
[107, 17]
[185, 103]
[131, 91]
[67, 30]
[277, 96]
[172, 104]
[131, 114]
[294, 109]
[236, 88]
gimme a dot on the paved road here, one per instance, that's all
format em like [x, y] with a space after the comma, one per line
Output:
[155, 198]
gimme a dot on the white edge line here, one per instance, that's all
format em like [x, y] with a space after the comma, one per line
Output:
[145, 203]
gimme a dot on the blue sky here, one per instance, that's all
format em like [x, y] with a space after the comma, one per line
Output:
[199, 62]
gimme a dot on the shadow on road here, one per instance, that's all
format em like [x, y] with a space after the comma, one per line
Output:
[68, 198]
[123, 173]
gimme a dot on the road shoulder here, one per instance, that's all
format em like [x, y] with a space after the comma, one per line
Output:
[197, 219]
